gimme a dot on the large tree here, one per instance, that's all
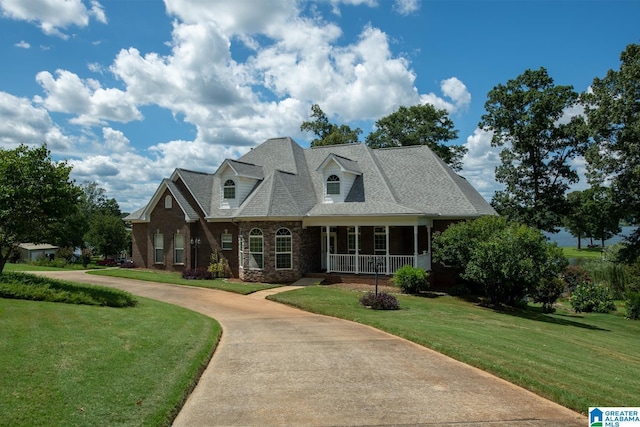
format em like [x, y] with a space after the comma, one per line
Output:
[613, 112]
[328, 133]
[419, 125]
[527, 118]
[107, 234]
[35, 194]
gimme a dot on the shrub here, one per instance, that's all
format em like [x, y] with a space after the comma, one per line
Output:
[197, 274]
[573, 276]
[547, 292]
[506, 258]
[632, 304]
[592, 297]
[381, 301]
[218, 265]
[36, 288]
[411, 280]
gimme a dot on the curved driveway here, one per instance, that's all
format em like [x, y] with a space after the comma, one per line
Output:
[279, 366]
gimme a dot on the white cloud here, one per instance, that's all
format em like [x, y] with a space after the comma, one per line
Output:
[52, 15]
[22, 44]
[479, 164]
[234, 17]
[22, 123]
[406, 7]
[92, 104]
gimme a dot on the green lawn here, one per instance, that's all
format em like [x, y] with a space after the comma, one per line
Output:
[577, 360]
[176, 278]
[71, 365]
[572, 252]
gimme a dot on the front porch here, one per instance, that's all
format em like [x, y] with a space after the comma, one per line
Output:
[368, 250]
[372, 264]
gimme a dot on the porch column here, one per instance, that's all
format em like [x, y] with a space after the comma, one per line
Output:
[357, 250]
[386, 235]
[328, 248]
[415, 245]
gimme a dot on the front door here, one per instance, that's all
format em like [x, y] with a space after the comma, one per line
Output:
[332, 247]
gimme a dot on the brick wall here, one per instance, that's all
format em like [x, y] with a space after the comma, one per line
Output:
[269, 273]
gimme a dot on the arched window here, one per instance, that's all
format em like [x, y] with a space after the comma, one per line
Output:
[229, 189]
[333, 184]
[168, 202]
[283, 249]
[256, 259]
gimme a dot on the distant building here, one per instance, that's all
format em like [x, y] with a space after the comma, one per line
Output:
[32, 252]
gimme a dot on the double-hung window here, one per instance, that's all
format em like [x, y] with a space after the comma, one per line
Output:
[283, 249]
[178, 249]
[226, 242]
[158, 248]
[256, 248]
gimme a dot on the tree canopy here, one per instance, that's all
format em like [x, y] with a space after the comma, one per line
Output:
[35, 195]
[526, 118]
[419, 125]
[613, 112]
[328, 133]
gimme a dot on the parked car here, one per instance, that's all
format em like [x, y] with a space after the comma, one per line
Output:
[108, 262]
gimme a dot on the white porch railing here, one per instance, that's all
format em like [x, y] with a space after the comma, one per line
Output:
[366, 264]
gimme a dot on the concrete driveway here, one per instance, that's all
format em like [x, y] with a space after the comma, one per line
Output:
[279, 366]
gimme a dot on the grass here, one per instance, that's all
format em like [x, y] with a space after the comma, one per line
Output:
[575, 360]
[591, 253]
[77, 365]
[30, 287]
[176, 279]
[34, 267]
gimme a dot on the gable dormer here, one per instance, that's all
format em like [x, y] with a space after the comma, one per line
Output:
[236, 179]
[338, 174]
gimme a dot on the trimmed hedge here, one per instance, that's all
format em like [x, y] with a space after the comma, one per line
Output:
[37, 288]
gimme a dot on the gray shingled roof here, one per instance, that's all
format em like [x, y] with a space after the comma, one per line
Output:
[397, 181]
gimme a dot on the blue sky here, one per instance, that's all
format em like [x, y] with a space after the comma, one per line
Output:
[127, 91]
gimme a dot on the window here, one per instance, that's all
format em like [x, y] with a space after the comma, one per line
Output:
[241, 250]
[380, 240]
[255, 249]
[168, 202]
[283, 249]
[333, 185]
[178, 249]
[158, 248]
[351, 239]
[229, 189]
[226, 242]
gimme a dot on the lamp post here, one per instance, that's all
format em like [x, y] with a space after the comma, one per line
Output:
[377, 264]
[195, 243]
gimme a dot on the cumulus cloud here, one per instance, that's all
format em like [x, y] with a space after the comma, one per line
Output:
[91, 104]
[53, 15]
[479, 163]
[22, 44]
[23, 123]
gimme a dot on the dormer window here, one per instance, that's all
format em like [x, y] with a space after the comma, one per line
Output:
[333, 184]
[229, 189]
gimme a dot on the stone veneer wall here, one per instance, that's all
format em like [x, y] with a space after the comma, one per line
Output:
[268, 273]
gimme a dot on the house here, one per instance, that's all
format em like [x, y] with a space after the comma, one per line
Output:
[32, 252]
[281, 212]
